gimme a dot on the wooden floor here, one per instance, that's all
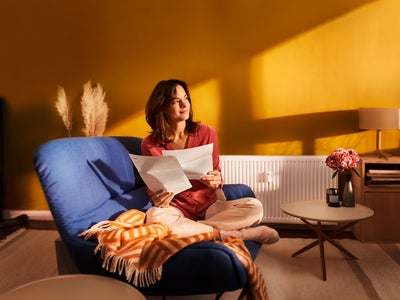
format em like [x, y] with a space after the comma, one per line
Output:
[303, 231]
[9, 226]
[285, 230]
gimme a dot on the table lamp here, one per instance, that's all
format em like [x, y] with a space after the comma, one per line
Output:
[379, 118]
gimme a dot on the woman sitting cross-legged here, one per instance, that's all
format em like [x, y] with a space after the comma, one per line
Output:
[203, 207]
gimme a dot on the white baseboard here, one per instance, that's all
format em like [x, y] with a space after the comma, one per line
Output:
[40, 215]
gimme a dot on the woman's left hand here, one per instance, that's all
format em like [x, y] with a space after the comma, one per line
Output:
[212, 179]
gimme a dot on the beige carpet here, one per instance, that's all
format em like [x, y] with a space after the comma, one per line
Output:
[374, 275]
[25, 256]
[29, 255]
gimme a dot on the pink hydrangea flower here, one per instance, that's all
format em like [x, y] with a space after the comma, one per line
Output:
[342, 159]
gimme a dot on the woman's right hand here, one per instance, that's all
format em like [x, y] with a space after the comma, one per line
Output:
[162, 198]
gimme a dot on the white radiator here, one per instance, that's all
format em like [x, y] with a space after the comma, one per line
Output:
[279, 179]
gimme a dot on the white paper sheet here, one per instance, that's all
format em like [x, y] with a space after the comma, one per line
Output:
[172, 171]
[161, 173]
[196, 162]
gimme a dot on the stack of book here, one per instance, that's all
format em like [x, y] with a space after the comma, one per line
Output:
[383, 177]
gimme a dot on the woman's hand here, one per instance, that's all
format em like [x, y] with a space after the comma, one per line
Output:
[212, 179]
[162, 198]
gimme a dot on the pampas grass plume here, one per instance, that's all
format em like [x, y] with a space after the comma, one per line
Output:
[94, 109]
[63, 108]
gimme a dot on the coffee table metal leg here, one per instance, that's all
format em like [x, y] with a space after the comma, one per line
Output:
[322, 236]
[304, 249]
[329, 238]
[321, 251]
[337, 245]
[319, 242]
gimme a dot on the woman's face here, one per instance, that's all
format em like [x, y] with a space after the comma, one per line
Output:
[179, 108]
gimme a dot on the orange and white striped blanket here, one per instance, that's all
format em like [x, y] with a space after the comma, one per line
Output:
[128, 245]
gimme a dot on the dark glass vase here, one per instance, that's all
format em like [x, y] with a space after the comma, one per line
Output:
[348, 199]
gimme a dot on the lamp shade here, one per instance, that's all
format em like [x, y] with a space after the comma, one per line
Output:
[379, 118]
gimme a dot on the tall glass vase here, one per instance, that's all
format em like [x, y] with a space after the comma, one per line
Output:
[348, 199]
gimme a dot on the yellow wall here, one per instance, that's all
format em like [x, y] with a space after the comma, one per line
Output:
[273, 77]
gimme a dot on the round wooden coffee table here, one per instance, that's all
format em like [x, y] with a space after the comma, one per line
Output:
[314, 212]
[77, 287]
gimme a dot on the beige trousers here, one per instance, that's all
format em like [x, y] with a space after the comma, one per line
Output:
[225, 215]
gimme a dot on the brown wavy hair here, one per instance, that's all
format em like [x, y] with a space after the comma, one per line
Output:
[156, 108]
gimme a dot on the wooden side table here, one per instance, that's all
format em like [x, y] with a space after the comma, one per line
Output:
[380, 194]
[319, 212]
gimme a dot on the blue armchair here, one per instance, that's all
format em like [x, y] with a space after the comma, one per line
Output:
[90, 179]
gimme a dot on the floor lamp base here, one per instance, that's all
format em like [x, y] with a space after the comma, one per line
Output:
[382, 154]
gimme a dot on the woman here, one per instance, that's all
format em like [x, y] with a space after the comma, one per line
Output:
[203, 207]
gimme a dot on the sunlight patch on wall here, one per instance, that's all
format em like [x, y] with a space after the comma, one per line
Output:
[206, 101]
[364, 142]
[287, 82]
[324, 69]
[283, 148]
[358, 141]
[135, 125]
[390, 139]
